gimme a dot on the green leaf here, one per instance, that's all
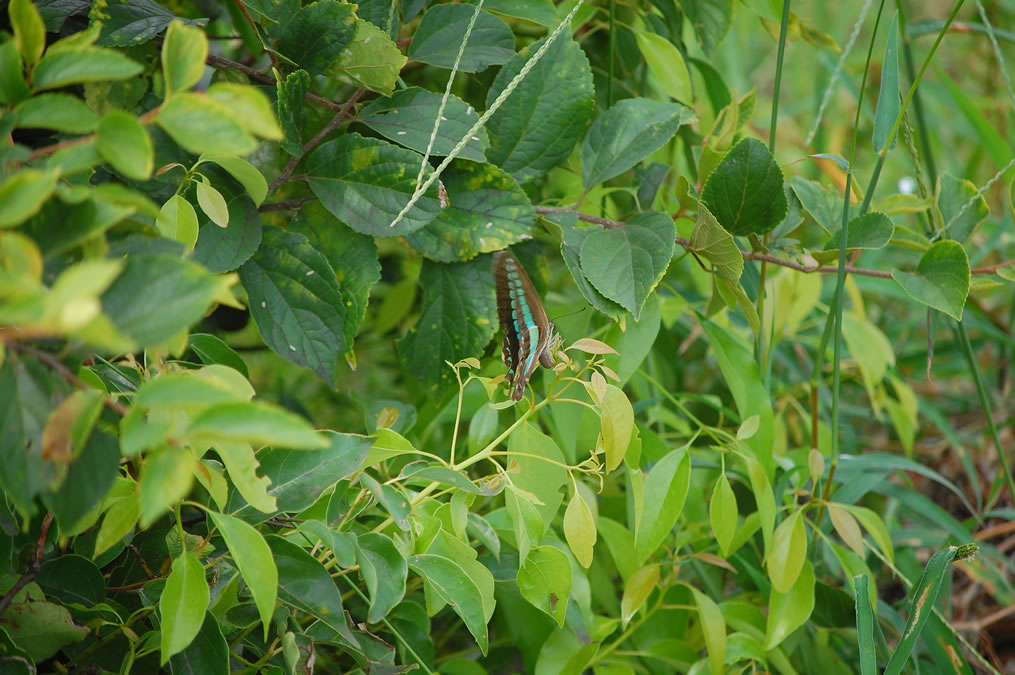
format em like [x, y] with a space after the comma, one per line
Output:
[391, 499]
[306, 585]
[37, 627]
[545, 581]
[211, 349]
[372, 60]
[539, 124]
[865, 626]
[72, 578]
[617, 425]
[249, 107]
[449, 581]
[788, 611]
[570, 248]
[713, 626]
[952, 196]
[88, 480]
[254, 423]
[384, 570]
[119, 520]
[292, 110]
[820, 202]
[626, 263]
[61, 226]
[457, 320]
[124, 143]
[870, 231]
[407, 118]
[941, 279]
[13, 87]
[745, 191]
[627, 133]
[245, 173]
[166, 477]
[636, 591]
[29, 30]
[540, 469]
[366, 182]
[889, 103]
[254, 560]
[182, 604]
[789, 551]
[296, 301]
[201, 124]
[487, 212]
[59, 68]
[23, 194]
[223, 249]
[722, 513]
[527, 524]
[207, 653]
[184, 51]
[178, 220]
[131, 22]
[710, 19]
[712, 242]
[241, 463]
[666, 65]
[664, 494]
[580, 529]
[158, 296]
[298, 479]
[61, 112]
[316, 35]
[439, 36]
[213, 204]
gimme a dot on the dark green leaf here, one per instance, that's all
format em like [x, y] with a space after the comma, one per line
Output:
[625, 263]
[296, 301]
[223, 249]
[208, 652]
[455, 587]
[211, 349]
[62, 226]
[38, 627]
[440, 35]
[487, 212]
[72, 578]
[131, 22]
[407, 118]
[745, 192]
[366, 182]
[315, 36]
[384, 570]
[570, 248]
[88, 479]
[458, 319]
[710, 19]
[291, 110]
[538, 126]
[394, 502]
[627, 133]
[941, 280]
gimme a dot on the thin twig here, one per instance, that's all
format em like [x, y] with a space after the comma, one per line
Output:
[58, 366]
[220, 62]
[285, 205]
[33, 568]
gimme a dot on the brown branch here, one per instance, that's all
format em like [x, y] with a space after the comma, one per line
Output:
[285, 205]
[33, 568]
[58, 366]
[220, 62]
[312, 143]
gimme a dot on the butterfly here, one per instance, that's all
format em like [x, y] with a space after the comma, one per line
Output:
[529, 337]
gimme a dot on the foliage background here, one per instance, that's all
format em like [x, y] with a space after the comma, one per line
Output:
[200, 201]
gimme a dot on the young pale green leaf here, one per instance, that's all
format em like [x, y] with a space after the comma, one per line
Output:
[124, 143]
[526, 522]
[788, 553]
[845, 524]
[29, 30]
[58, 111]
[616, 425]
[745, 191]
[627, 133]
[666, 65]
[366, 182]
[255, 423]
[317, 33]
[59, 68]
[244, 172]
[962, 209]
[303, 583]
[712, 242]
[241, 463]
[626, 263]
[23, 194]
[889, 103]
[166, 477]
[120, 519]
[372, 60]
[457, 320]
[254, 559]
[487, 212]
[713, 626]
[722, 513]
[541, 472]
[450, 582]
[664, 494]
[539, 124]
[213, 204]
[384, 570]
[876, 527]
[580, 529]
[941, 280]
[439, 36]
[407, 118]
[178, 220]
[182, 604]
[788, 611]
[199, 123]
[544, 579]
[637, 590]
[249, 107]
[184, 51]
